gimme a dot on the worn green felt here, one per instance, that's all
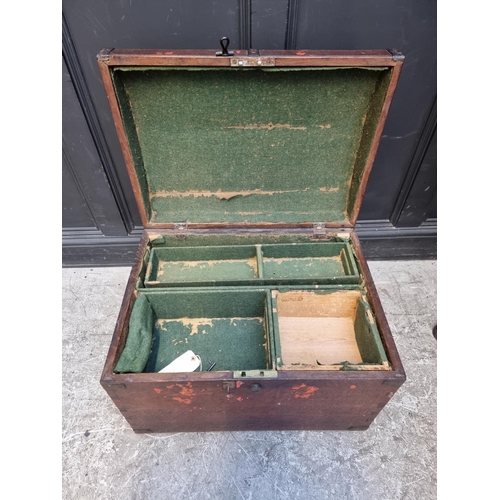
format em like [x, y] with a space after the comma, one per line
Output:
[366, 138]
[204, 303]
[348, 260]
[140, 334]
[216, 270]
[225, 145]
[211, 252]
[199, 264]
[303, 260]
[319, 267]
[367, 336]
[228, 327]
[247, 265]
[233, 343]
[135, 147]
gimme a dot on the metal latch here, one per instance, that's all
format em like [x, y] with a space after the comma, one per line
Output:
[228, 385]
[180, 230]
[319, 230]
[253, 60]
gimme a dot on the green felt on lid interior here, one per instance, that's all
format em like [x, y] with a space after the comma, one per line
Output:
[273, 145]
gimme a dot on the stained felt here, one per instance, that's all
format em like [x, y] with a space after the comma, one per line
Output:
[250, 146]
[232, 343]
[251, 264]
[229, 327]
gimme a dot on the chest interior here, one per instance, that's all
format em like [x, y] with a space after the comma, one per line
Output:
[253, 305]
[268, 148]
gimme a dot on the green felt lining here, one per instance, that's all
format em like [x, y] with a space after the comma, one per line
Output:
[250, 146]
[194, 265]
[236, 328]
[134, 145]
[367, 335]
[230, 327]
[140, 337]
[307, 261]
[261, 264]
[233, 344]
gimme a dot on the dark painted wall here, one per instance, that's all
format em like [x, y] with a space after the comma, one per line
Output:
[100, 218]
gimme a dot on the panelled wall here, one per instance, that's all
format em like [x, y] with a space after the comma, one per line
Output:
[101, 224]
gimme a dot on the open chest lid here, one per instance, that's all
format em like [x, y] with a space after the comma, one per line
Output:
[249, 140]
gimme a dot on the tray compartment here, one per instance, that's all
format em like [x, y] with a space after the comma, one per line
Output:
[247, 265]
[191, 266]
[325, 330]
[228, 327]
[309, 263]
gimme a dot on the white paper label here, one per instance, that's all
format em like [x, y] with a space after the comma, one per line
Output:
[187, 362]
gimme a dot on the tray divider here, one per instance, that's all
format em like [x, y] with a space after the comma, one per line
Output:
[272, 300]
[151, 267]
[348, 261]
[270, 331]
[370, 321]
[260, 261]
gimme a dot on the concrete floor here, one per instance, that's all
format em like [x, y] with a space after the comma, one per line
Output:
[104, 459]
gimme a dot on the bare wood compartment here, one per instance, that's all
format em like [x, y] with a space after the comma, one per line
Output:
[326, 331]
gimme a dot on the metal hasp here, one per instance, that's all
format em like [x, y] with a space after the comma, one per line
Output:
[224, 43]
[252, 60]
[245, 62]
[228, 385]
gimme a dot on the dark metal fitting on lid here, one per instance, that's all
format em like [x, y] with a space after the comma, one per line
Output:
[224, 43]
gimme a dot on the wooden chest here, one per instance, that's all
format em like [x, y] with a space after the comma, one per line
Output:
[249, 171]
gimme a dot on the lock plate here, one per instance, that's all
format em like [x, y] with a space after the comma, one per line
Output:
[254, 62]
[255, 374]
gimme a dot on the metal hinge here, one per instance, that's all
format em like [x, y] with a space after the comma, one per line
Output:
[104, 55]
[180, 230]
[396, 55]
[319, 230]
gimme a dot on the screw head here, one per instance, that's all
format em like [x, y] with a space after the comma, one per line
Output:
[240, 63]
[255, 387]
